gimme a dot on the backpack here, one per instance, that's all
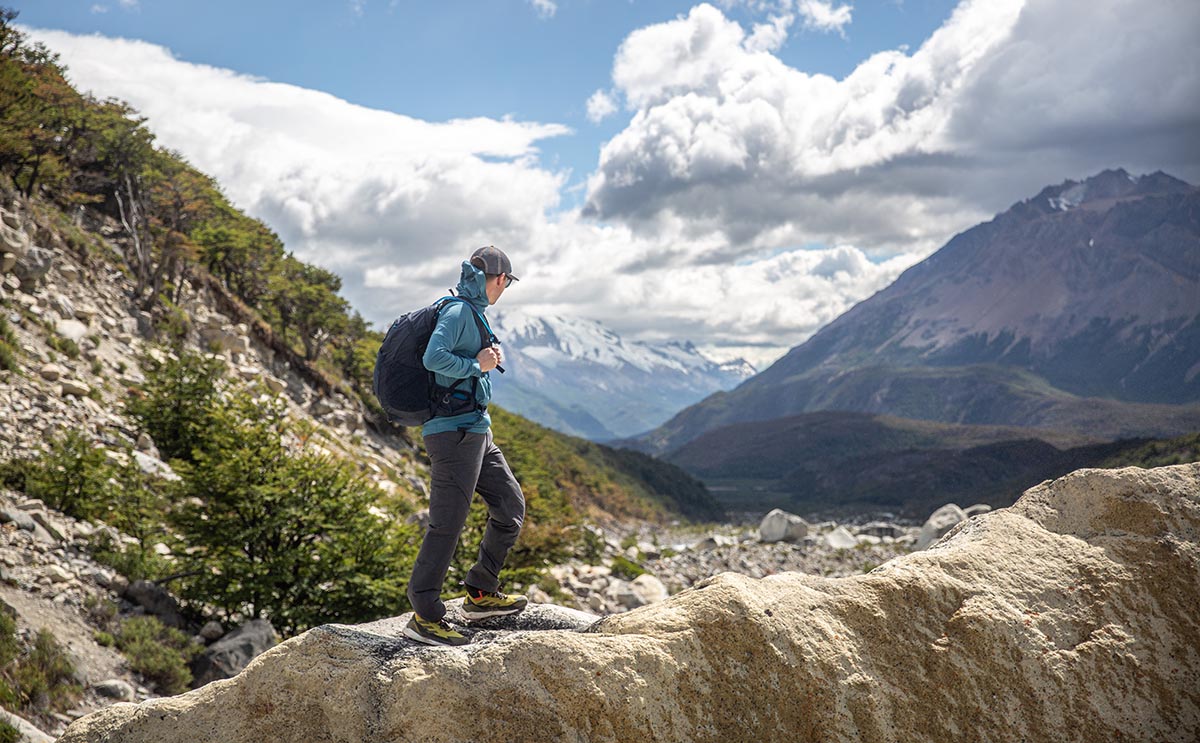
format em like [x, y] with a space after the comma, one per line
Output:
[402, 384]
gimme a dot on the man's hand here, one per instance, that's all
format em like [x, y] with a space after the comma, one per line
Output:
[489, 358]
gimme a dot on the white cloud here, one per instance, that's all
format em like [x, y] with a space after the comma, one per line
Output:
[600, 106]
[824, 16]
[544, 8]
[128, 4]
[99, 8]
[1005, 97]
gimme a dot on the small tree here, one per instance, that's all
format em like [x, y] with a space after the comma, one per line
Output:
[282, 535]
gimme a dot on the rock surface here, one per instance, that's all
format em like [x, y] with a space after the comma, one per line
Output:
[1068, 617]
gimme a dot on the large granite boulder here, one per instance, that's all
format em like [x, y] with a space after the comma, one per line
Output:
[781, 526]
[938, 524]
[1070, 616]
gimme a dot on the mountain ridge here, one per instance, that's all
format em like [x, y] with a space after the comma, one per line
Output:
[1085, 297]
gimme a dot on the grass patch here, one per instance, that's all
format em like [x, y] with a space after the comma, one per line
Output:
[63, 345]
[159, 653]
[38, 679]
[626, 569]
[8, 346]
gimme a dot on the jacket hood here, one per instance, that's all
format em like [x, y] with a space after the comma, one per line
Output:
[472, 286]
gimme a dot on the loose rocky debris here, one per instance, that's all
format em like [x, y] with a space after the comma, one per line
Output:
[64, 298]
[783, 542]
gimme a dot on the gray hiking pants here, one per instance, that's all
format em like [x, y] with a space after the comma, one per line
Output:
[463, 464]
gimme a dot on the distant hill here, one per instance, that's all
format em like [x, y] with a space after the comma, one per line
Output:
[834, 463]
[581, 378]
[1075, 310]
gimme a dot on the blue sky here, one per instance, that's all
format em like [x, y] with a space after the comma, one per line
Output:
[756, 168]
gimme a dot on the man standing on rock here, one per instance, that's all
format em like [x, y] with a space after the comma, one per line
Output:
[464, 460]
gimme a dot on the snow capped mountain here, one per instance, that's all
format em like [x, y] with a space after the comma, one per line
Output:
[580, 377]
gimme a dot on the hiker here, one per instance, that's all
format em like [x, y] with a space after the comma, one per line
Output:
[464, 460]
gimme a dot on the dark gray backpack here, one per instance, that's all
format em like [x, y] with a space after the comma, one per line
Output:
[402, 384]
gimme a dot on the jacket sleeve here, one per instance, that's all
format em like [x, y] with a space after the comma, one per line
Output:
[447, 334]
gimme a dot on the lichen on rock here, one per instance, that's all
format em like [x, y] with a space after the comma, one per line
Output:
[1068, 617]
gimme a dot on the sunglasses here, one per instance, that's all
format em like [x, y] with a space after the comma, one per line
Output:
[507, 281]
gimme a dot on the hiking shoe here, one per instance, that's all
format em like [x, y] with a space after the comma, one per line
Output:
[433, 633]
[483, 604]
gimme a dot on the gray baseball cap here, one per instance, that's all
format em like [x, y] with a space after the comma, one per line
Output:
[492, 260]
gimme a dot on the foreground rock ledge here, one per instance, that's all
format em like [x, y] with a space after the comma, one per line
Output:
[1071, 616]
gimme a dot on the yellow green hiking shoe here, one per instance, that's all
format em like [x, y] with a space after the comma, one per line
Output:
[483, 604]
[432, 633]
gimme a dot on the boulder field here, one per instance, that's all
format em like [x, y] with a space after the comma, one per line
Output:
[1070, 616]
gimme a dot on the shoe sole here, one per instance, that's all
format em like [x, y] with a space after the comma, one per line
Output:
[412, 634]
[475, 616]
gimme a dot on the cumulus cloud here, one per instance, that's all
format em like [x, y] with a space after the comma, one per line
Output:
[824, 16]
[1005, 97]
[600, 106]
[544, 8]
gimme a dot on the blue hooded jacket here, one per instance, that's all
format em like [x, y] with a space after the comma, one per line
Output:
[451, 353]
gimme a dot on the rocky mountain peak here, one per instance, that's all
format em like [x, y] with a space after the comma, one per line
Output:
[1105, 187]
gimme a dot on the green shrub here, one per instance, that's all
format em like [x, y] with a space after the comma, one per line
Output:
[10, 646]
[104, 639]
[625, 568]
[9, 734]
[160, 654]
[175, 403]
[135, 562]
[272, 532]
[71, 475]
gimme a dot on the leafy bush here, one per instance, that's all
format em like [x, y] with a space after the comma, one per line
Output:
[71, 475]
[9, 734]
[160, 654]
[282, 533]
[175, 403]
